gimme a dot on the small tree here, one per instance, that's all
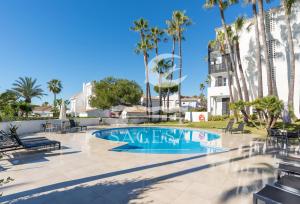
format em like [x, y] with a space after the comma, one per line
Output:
[112, 91]
[166, 88]
[240, 106]
[271, 108]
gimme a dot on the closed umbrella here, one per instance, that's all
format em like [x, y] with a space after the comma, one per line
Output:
[62, 114]
[63, 117]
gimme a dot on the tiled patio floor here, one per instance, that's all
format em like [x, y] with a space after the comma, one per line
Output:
[85, 171]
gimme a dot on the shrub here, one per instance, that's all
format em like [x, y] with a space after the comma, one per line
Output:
[218, 117]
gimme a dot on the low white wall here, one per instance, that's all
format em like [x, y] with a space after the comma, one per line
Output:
[32, 126]
[196, 116]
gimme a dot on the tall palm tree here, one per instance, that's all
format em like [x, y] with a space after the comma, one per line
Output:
[270, 80]
[171, 31]
[223, 5]
[26, 88]
[232, 38]
[260, 92]
[156, 35]
[180, 21]
[238, 27]
[143, 47]
[55, 87]
[287, 5]
[141, 26]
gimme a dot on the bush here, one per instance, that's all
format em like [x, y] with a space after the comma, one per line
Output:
[253, 116]
[218, 117]
[197, 110]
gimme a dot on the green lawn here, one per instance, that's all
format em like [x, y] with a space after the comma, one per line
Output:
[222, 124]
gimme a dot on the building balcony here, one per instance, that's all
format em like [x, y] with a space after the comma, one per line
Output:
[218, 91]
[217, 68]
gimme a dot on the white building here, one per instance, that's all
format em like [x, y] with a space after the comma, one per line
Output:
[79, 103]
[218, 92]
[43, 111]
[186, 102]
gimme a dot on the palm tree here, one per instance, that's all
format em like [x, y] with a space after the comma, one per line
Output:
[143, 47]
[141, 26]
[287, 5]
[55, 87]
[238, 27]
[235, 72]
[180, 21]
[171, 31]
[223, 5]
[156, 35]
[270, 79]
[208, 80]
[26, 88]
[202, 87]
[257, 49]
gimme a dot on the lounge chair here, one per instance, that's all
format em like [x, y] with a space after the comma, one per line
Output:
[13, 142]
[290, 183]
[240, 128]
[288, 168]
[229, 126]
[289, 159]
[273, 194]
[74, 125]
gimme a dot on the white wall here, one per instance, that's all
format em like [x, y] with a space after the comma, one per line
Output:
[195, 116]
[32, 126]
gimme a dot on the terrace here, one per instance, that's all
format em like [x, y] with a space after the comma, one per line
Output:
[85, 170]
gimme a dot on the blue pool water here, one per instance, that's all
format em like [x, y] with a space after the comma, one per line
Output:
[155, 140]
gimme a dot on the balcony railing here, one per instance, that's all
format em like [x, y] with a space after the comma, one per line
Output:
[217, 68]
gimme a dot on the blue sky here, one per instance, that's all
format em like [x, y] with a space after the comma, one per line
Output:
[78, 41]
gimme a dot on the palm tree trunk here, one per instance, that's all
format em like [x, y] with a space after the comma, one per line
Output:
[54, 102]
[245, 89]
[159, 84]
[257, 52]
[291, 55]
[265, 48]
[180, 71]
[240, 94]
[147, 83]
[229, 46]
[229, 79]
[171, 78]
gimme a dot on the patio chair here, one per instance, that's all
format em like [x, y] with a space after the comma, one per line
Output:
[273, 194]
[49, 127]
[275, 134]
[229, 126]
[75, 125]
[240, 128]
[292, 135]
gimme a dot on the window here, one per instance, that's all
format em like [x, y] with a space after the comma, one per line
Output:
[219, 81]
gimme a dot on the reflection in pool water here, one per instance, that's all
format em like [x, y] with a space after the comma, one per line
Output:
[157, 140]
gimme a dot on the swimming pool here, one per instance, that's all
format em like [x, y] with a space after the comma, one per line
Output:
[156, 140]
